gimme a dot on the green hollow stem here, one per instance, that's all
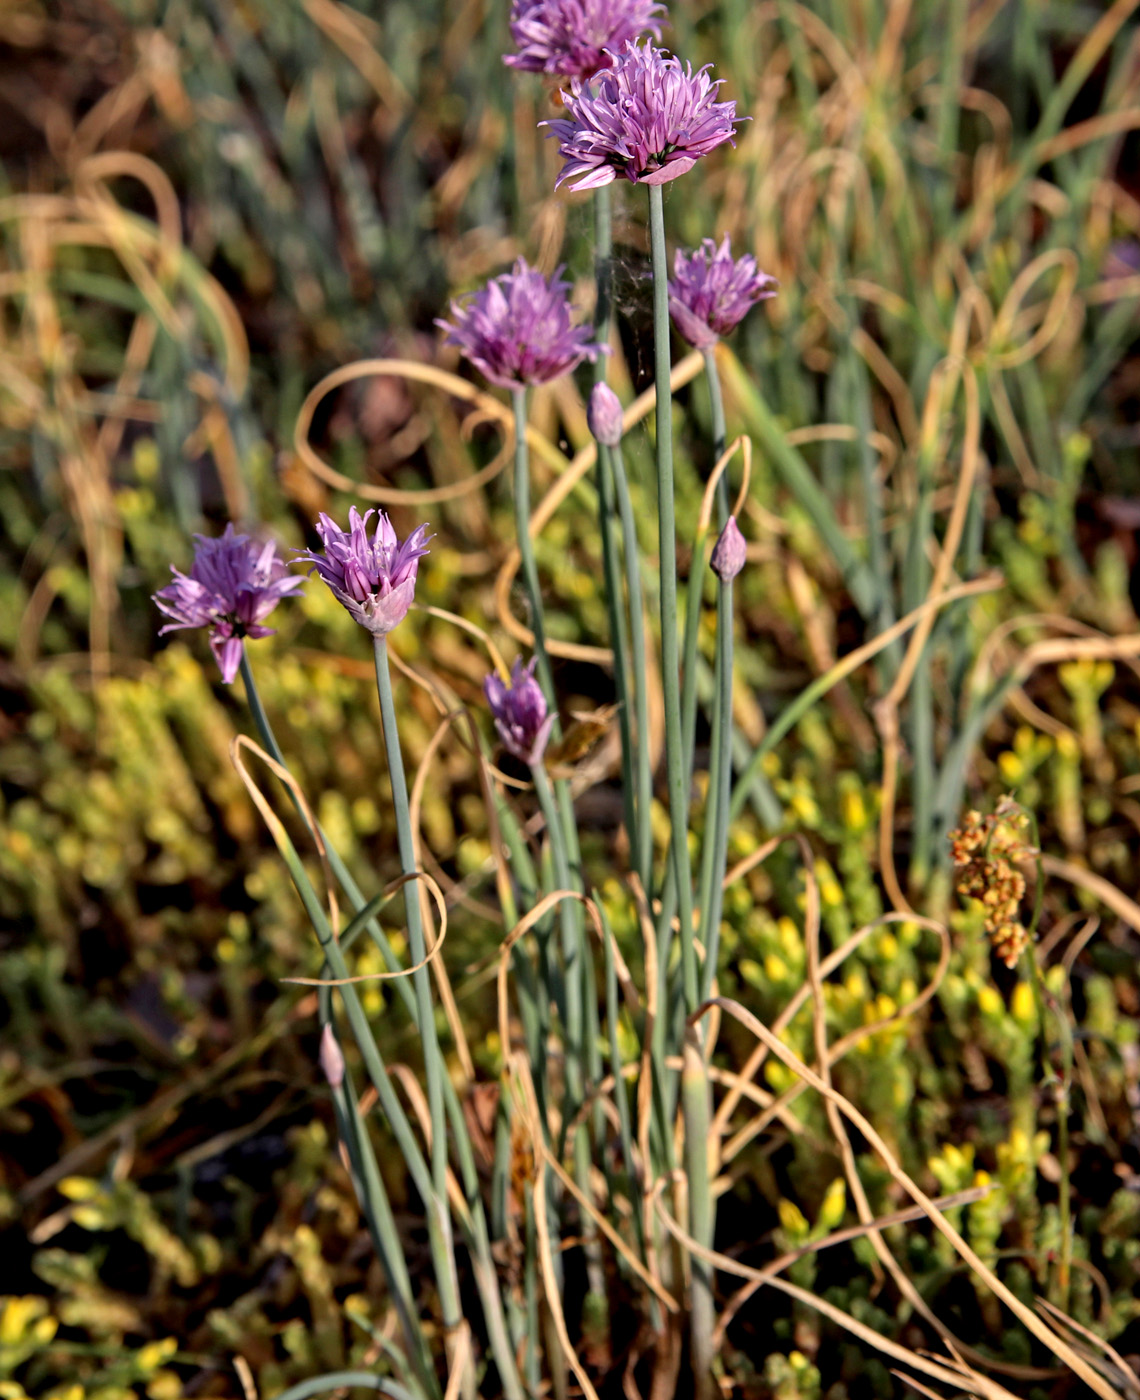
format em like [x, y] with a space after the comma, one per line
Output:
[694, 604]
[695, 1107]
[619, 640]
[603, 273]
[378, 1213]
[610, 468]
[711, 888]
[526, 549]
[714, 850]
[565, 801]
[571, 960]
[702, 1315]
[643, 765]
[340, 871]
[677, 778]
[579, 987]
[719, 432]
[439, 1220]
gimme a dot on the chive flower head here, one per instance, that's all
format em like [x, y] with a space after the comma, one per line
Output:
[576, 38]
[520, 712]
[711, 292]
[233, 585]
[375, 578]
[649, 118]
[517, 330]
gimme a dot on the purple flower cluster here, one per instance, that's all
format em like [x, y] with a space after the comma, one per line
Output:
[520, 712]
[649, 118]
[233, 585]
[374, 578]
[517, 330]
[576, 38]
[711, 292]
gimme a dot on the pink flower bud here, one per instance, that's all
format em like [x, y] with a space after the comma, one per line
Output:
[729, 555]
[603, 414]
[331, 1057]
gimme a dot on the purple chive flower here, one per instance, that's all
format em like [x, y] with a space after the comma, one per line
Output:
[711, 292]
[517, 329]
[576, 38]
[604, 417]
[233, 585]
[648, 118]
[519, 711]
[729, 552]
[374, 578]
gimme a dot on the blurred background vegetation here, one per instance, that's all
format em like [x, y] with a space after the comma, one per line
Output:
[204, 208]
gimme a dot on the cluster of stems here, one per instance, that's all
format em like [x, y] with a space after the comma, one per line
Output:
[561, 978]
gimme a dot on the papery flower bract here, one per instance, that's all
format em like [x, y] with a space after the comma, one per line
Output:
[649, 118]
[520, 712]
[233, 585]
[729, 553]
[711, 292]
[517, 330]
[374, 578]
[604, 415]
[576, 38]
[331, 1057]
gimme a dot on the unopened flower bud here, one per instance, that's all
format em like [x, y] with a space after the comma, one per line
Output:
[603, 414]
[730, 552]
[331, 1057]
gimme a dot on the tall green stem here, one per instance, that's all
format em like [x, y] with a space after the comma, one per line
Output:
[719, 432]
[715, 848]
[439, 1219]
[336, 864]
[619, 629]
[534, 594]
[526, 548]
[702, 1315]
[603, 274]
[570, 942]
[678, 779]
[643, 764]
